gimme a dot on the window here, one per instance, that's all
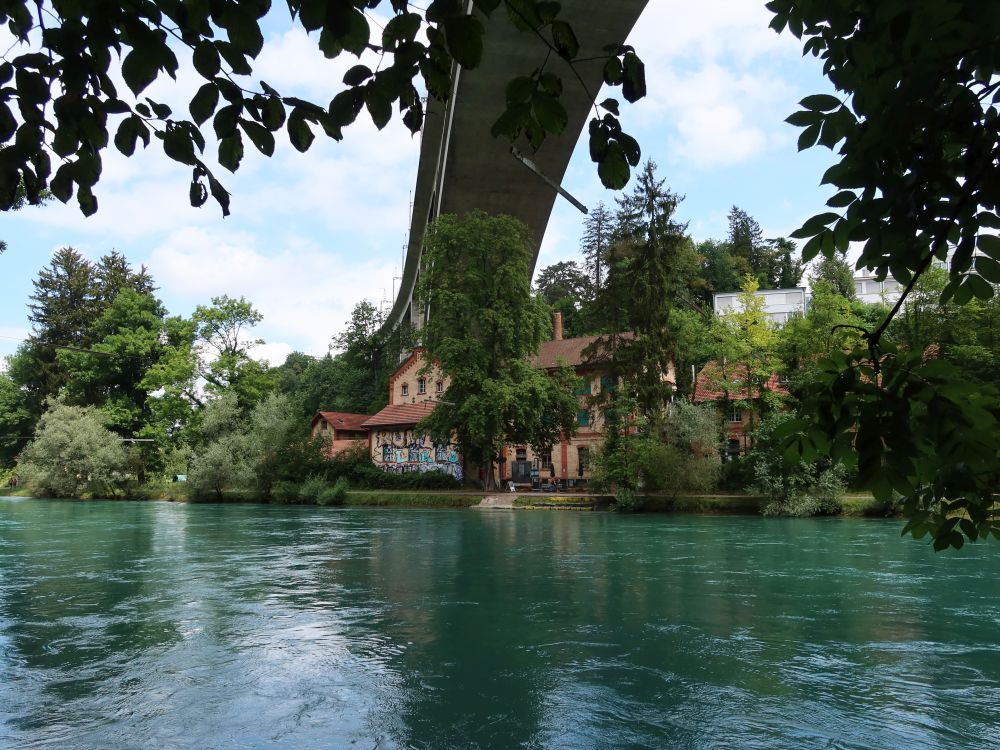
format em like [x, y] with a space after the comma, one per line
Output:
[439, 387]
[583, 460]
[521, 454]
[735, 414]
[405, 389]
[323, 426]
[421, 387]
[545, 459]
[583, 387]
[607, 384]
[733, 447]
[583, 417]
[859, 287]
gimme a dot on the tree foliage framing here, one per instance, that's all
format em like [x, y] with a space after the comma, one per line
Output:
[59, 102]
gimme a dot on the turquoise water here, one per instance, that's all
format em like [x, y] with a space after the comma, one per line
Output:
[131, 625]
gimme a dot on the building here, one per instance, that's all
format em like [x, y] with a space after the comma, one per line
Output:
[342, 429]
[740, 413]
[396, 445]
[869, 289]
[779, 304]
[394, 442]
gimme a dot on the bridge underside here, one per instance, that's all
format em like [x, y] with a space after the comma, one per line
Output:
[462, 167]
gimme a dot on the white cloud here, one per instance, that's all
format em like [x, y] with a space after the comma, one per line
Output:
[305, 293]
[716, 84]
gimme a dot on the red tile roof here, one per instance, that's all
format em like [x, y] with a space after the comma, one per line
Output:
[710, 380]
[341, 420]
[400, 414]
[569, 351]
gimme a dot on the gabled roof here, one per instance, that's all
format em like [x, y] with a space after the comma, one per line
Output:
[711, 378]
[553, 353]
[400, 414]
[341, 420]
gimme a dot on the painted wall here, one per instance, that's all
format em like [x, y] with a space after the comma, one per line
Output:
[402, 451]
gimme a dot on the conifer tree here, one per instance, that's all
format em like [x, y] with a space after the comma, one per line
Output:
[598, 229]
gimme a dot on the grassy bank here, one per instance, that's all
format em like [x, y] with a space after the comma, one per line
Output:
[412, 499]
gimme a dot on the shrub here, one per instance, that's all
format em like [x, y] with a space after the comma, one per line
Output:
[798, 490]
[284, 493]
[72, 453]
[309, 490]
[334, 495]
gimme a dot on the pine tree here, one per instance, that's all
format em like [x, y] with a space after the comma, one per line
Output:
[64, 302]
[598, 229]
[113, 273]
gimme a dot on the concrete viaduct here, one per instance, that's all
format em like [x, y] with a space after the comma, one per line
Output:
[462, 167]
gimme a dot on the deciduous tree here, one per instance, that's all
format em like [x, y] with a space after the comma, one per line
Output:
[484, 325]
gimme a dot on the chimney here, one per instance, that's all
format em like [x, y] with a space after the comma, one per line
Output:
[557, 326]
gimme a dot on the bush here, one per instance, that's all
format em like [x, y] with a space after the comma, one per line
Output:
[799, 490]
[334, 495]
[72, 453]
[284, 493]
[309, 490]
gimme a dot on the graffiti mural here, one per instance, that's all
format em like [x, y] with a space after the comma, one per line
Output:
[409, 450]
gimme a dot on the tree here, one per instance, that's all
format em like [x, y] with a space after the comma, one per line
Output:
[223, 350]
[745, 342]
[566, 290]
[917, 131]
[223, 459]
[16, 420]
[370, 354]
[483, 326]
[65, 90]
[598, 231]
[72, 452]
[785, 267]
[836, 272]
[650, 265]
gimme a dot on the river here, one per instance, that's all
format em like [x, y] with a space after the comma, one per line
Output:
[136, 625]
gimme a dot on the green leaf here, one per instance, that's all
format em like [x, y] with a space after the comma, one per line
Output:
[808, 137]
[634, 80]
[465, 40]
[613, 168]
[549, 112]
[842, 199]
[989, 244]
[379, 106]
[980, 288]
[204, 102]
[802, 118]
[357, 75]
[564, 40]
[261, 137]
[631, 148]
[231, 151]
[273, 113]
[206, 59]
[177, 144]
[613, 71]
[520, 90]
[139, 70]
[220, 194]
[345, 106]
[988, 268]
[299, 132]
[821, 103]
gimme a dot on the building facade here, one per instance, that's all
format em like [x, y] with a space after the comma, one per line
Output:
[342, 429]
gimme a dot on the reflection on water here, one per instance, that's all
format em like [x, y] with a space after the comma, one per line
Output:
[128, 625]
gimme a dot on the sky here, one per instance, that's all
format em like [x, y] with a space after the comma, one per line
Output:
[310, 235]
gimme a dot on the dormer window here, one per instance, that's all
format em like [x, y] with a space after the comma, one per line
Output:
[421, 387]
[405, 389]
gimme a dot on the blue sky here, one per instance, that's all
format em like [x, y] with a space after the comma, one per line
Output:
[312, 234]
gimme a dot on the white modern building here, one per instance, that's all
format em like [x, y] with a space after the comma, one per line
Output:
[779, 304]
[869, 289]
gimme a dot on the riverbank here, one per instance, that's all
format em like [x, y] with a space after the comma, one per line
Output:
[730, 504]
